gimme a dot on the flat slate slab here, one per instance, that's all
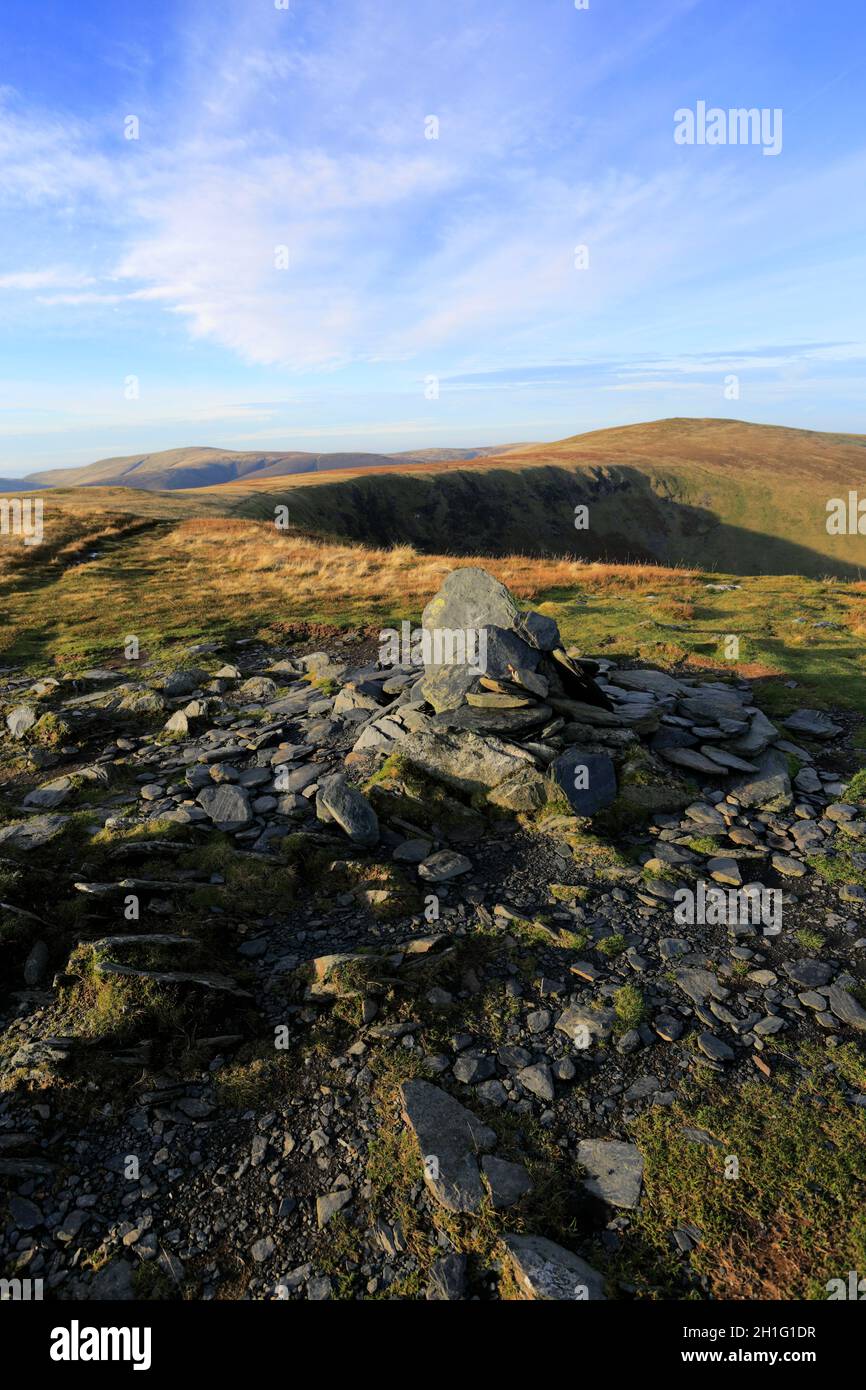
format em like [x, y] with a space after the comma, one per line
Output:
[449, 1137]
[549, 1272]
[349, 808]
[207, 979]
[808, 973]
[33, 833]
[846, 1008]
[813, 722]
[615, 1170]
[693, 760]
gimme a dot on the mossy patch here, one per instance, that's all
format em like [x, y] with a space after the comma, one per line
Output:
[840, 868]
[795, 1215]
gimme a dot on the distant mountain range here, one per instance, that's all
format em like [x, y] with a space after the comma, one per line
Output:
[201, 466]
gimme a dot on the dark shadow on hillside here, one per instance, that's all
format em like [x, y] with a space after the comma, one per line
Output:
[532, 512]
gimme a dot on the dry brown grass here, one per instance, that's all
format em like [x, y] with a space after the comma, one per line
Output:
[744, 670]
[759, 1263]
[855, 617]
[68, 537]
[236, 556]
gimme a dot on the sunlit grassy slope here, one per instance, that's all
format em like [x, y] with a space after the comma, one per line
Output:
[97, 578]
[715, 494]
[726, 494]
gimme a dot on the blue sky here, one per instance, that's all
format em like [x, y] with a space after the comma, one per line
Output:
[412, 258]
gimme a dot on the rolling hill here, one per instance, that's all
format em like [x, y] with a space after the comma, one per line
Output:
[740, 497]
[201, 466]
[725, 494]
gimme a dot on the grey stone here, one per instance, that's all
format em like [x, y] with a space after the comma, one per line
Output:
[538, 1079]
[706, 816]
[693, 760]
[184, 682]
[714, 1048]
[24, 1213]
[770, 786]
[725, 870]
[328, 1205]
[759, 735]
[813, 722]
[33, 833]
[596, 770]
[471, 1069]
[20, 720]
[524, 790]
[727, 760]
[447, 1279]
[846, 1008]
[708, 706]
[227, 806]
[505, 723]
[449, 1137]
[113, 1283]
[808, 974]
[35, 964]
[699, 984]
[541, 631]
[548, 1272]
[258, 688]
[50, 795]
[349, 808]
[580, 1021]
[615, 1170]
[508, 1182]
[464, 761]
[444, 865]
[657, 682]
[788, 867]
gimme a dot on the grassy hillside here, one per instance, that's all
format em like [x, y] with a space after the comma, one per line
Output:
[742, 498]
[96, 579]
[720, 494]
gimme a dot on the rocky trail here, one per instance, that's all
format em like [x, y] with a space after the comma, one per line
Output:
[328, 978]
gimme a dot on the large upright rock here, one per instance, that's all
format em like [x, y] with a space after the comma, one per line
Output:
[587, 779]
[471, 597]
[470, 602]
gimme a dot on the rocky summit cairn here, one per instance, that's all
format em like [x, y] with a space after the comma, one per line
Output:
[520, 659]
[491, 673]
[503, 710]
[392, 895]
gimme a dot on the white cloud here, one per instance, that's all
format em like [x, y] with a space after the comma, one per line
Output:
[48, 278]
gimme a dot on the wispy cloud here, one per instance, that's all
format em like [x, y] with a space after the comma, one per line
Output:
[44, 279]
[282, 218]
